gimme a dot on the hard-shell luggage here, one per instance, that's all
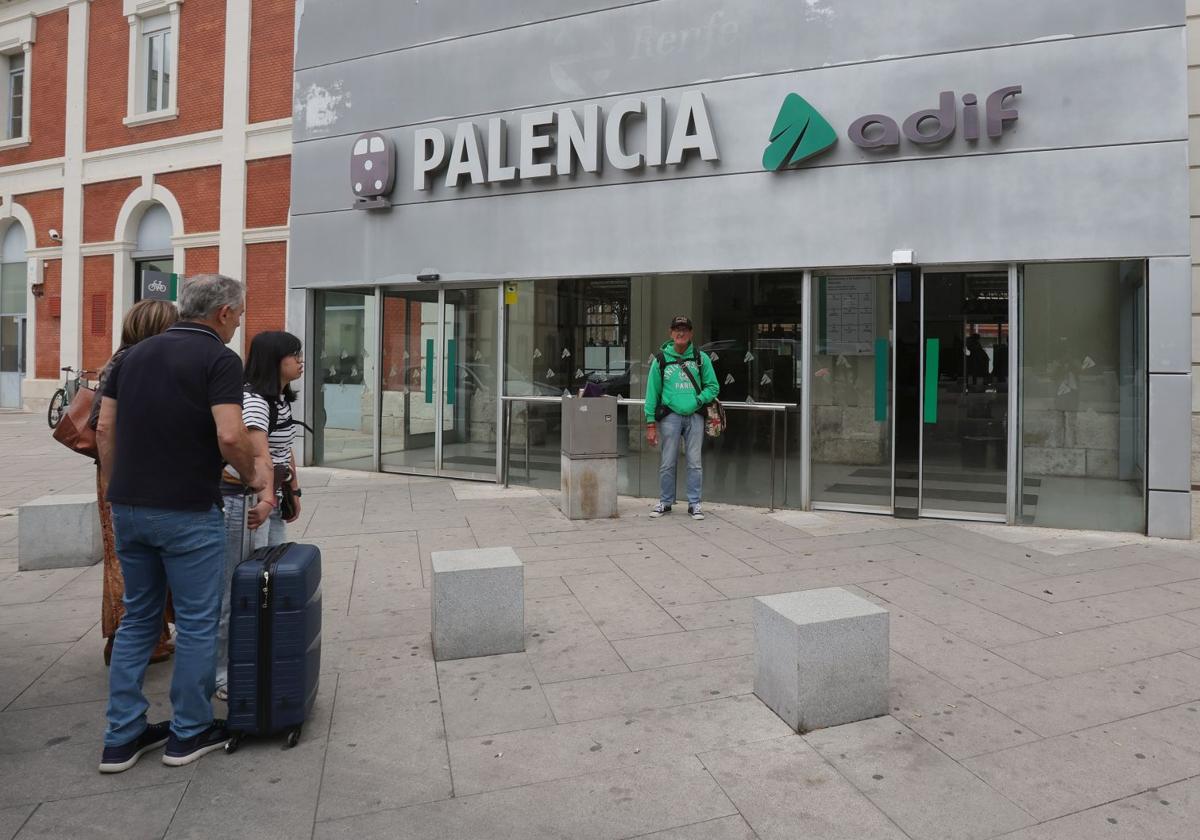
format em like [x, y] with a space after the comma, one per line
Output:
[274, 642]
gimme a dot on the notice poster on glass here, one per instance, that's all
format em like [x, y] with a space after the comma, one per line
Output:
[849, 316]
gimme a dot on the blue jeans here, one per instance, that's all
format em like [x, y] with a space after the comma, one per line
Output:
[670, 430]
[239, 542]
[157, 548]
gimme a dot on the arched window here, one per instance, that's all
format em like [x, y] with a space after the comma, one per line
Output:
[153, 256]
[13, 286]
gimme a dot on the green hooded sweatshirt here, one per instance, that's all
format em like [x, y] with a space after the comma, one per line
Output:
[674, 389]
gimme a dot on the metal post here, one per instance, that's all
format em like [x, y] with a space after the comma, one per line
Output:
[808, 334]
[507, 431]
[785, 455]
[527, 477]
[772, 461]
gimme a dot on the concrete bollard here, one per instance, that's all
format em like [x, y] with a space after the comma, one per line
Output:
[59, 532]
[478, 603]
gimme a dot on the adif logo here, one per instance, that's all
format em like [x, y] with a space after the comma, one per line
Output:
[800, 132]
[372, 170]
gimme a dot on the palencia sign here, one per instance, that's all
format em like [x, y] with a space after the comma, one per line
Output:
[550, 143]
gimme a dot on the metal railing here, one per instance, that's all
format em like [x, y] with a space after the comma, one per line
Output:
[773, 409]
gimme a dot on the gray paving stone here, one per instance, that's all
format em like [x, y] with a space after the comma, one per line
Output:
[1069, 773]
[600, 532]
[491, 694]
[665, 580]
[798, 560]
[977, 560]
[855, 538]
[681, 648]
[337, 628]
[1086, 584]
[56, 727]
[377, 652]
[141, 814]
[380, 716]
[619, 607]
[11, 820]
[947, 717]
[569, 566]
[1171, 812]
[88, 584]
[337, 582]
[1024, 609]
[76, 610]
[575, 551]
[545, 587]
[785, 790]
[1191, 616]
[1119, 607]
[21, 667]
[703, 558]
[627, 693]
[573, 749]
[601, 806]
[1086, 650]
[562, 643]
[394, 584]
[1186, 587]
[31, 587]
[911, 781]
[725, 613]
[740, 543]
[722, 828]
[972, 668]
[962, 618]
[1102, 696]
[852, 571]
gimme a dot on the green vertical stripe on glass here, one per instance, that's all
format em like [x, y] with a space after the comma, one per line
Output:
[429, 370]
[881, 380]
[932, 350]
[451, 368]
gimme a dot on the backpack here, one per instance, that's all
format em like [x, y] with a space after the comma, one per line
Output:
[714, 412]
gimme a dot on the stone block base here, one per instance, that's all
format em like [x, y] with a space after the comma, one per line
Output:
[589, 488]
[58, 532]
[478, 603]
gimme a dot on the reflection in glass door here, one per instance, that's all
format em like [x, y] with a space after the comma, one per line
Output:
[438, 401]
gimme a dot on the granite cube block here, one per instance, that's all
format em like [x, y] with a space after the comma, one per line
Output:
[478, 603]
[589, 487]
[59, 532]
[821, 657]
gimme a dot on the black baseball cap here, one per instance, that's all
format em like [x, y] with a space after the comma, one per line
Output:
[681, 321]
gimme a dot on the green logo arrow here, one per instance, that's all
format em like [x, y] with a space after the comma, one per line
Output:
[800, 132]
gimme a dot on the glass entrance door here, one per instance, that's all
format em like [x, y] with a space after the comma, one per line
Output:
[440, 350]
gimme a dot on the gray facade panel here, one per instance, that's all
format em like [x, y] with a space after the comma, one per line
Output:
[1170, 320]
[1065, 103]
[1098, 203]
[655, 45]
[1169, 515]
[1170, 431]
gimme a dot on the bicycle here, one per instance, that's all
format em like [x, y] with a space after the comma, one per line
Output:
[63, 396]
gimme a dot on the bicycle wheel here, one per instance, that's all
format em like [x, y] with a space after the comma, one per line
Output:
[58, 404]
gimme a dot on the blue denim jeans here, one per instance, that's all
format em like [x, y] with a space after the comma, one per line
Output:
[671, 429]
[157, 548]
[239, 542]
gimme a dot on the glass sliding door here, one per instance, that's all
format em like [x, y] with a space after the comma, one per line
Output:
[469, 402]
[408, 431]
[344, 374]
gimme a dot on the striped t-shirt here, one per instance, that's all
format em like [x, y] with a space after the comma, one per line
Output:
[257, 415]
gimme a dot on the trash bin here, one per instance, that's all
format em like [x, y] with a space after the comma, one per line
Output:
[589, 457]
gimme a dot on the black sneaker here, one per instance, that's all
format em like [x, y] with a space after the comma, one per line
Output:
[695, 513]
[119, 759]
[659, 509]
[180, 752]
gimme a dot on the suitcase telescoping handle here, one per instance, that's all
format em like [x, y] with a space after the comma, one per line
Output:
[247, 496]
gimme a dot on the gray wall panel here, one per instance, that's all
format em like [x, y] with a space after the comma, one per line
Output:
[1170, 327]
[1169, 515]
[1080, 204]
[1170, 431]
[1065, 103]
[668, 43]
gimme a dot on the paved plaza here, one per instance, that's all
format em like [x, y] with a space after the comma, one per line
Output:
[1044, 684]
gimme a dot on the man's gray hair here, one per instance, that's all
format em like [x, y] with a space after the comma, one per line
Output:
[201, 296]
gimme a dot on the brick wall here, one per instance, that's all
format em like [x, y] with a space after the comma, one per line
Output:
[47, 94]
[201, 70]
[272, 32]
[268, 191]
[97, 310]
[48, 326]
[102, 204]
[198, 192]
[266, 286]
[46, 209]
[201, 261]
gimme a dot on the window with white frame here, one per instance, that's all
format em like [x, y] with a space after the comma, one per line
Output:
[153, 52]
[16, 54]
[15, 123]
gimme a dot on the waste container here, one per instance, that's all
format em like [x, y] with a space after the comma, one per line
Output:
[589, 457]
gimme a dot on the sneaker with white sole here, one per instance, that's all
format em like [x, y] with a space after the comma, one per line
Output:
[182, 751]
[659, 510]
[695, 513]
[119, 759]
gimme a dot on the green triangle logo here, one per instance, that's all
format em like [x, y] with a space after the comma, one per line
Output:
[800, 132]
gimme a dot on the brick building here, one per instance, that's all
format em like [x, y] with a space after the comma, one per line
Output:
[137, 136]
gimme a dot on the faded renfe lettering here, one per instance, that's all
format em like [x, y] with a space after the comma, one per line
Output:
[558, 142]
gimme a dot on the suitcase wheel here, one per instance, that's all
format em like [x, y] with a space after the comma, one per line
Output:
[293, 738]
[235, 741]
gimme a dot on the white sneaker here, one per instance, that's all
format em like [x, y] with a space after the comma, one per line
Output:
[659, 510]
[694, 512]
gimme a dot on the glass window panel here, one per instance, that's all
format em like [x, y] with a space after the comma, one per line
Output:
[12, 288]
[164, 90]
[152, 70]
[1083, 395]
[16, 95]
[344, 379]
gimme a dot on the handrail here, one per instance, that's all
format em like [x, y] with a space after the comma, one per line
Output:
[736, 406]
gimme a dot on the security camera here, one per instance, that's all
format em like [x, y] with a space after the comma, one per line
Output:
[55, 235]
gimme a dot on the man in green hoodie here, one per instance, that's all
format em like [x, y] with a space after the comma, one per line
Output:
[680, 383]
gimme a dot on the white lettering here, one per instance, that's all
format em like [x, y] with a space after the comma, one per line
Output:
[614, 145]
[576, 143]
[465, 157]
[497, 152]
[692, 111]
[533, 143]
[656, 117]
[430, 154]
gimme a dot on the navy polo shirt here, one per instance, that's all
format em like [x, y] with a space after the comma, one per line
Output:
[165, 388]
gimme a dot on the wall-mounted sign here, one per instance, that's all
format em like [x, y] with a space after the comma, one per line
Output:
[158, 285]
[800, 132]
[372, 170]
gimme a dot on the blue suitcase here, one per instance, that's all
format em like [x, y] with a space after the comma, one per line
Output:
[274, 642]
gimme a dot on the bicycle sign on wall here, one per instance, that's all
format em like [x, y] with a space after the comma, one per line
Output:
[157, 285]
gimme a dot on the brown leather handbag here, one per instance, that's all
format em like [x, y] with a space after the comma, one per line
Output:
[74, 430]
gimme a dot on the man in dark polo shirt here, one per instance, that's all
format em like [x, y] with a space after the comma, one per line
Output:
[171, 413]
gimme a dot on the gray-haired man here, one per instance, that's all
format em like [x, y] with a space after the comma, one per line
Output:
[171, 413]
